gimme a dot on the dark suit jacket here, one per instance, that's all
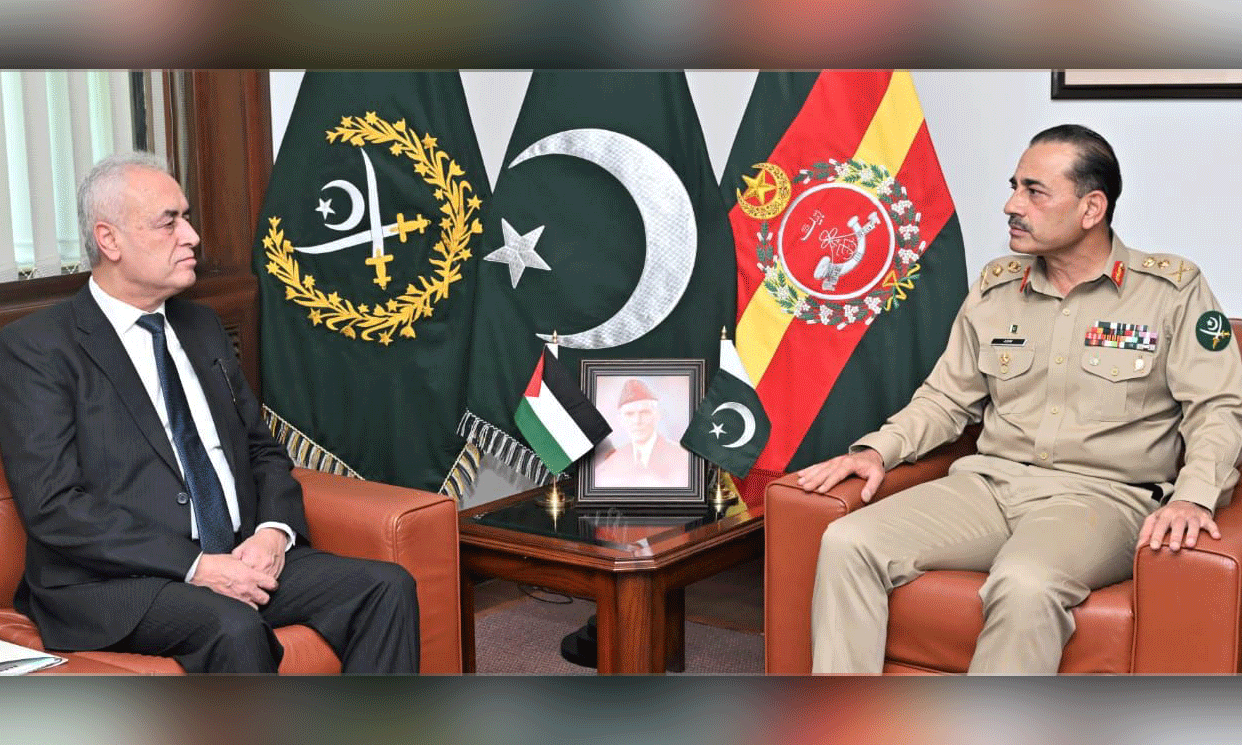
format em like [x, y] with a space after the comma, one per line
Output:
[94, 476]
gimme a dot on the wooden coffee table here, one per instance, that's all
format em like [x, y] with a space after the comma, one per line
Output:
[635, 563]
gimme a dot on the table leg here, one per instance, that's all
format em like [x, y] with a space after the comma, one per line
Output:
[675, 630]
[630, 641]
[467, 623]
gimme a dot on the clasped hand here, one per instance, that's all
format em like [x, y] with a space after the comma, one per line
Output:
[247, 574]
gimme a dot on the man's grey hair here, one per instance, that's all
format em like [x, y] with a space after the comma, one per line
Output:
[99, 193]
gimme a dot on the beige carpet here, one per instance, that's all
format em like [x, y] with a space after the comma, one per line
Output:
[524, 638]
[519, 635]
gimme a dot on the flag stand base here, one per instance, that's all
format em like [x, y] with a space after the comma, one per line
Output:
[555, 499]
[581, 647]
[721, 498]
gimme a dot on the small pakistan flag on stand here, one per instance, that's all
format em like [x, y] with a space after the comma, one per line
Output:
[729, 427]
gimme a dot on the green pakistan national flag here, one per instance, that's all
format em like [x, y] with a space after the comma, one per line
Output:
[729, 427]
[606, 227]
[366, 253]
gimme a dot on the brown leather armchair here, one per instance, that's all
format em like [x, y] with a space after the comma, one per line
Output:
[413, 528]
[1180, 614]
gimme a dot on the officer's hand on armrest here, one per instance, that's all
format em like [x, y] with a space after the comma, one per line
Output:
[866, 463]
[1180, 519]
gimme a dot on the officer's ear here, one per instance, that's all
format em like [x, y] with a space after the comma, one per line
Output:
[1095, 206]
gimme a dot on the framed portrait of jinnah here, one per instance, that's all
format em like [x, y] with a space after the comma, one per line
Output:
[648, 404]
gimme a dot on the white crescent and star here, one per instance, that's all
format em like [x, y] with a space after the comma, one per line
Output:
[356, 205]
[668, 224]
[748, 423]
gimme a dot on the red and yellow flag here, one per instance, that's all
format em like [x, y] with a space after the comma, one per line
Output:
[850, 261]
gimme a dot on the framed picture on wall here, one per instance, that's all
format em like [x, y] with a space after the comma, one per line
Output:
[649, 404]
[1118, 84]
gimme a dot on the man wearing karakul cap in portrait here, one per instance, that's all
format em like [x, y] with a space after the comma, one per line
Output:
[649, 459]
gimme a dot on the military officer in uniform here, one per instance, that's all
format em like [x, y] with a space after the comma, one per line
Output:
[1110, 394]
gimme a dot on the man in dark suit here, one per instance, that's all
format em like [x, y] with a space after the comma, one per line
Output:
[161, 516]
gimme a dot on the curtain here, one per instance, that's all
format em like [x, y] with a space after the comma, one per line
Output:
[56, 125]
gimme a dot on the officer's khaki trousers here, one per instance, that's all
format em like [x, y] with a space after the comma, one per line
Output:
[1045, 538]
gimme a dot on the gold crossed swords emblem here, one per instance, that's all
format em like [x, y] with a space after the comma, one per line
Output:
[375, 232]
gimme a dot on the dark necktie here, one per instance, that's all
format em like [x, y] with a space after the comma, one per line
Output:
[215, 527]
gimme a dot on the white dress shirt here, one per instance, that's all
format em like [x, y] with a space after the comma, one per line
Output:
[140, 345]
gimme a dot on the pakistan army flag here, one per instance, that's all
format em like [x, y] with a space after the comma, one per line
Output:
[607, 228]
[849, 255]
[366, 255]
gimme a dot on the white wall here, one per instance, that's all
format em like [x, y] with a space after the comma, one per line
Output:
[1181, 160]
[1181, 164]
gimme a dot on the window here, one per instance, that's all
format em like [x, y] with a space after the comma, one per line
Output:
[56, 125]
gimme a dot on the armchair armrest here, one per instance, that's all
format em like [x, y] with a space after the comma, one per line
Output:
[1187, 604]
[794, 521]
[413, 528]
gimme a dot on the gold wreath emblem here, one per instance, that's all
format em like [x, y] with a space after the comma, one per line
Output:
[759, 187]
[399, 314]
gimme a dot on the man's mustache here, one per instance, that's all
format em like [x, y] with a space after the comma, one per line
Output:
[1016, 222]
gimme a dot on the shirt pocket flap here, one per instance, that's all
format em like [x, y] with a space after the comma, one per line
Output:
[1117, 364]
[1004, 363]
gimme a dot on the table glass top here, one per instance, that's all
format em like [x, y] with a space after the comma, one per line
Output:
[625, 527]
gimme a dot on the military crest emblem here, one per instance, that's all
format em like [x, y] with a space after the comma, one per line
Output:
[838, 243]
[407, 302]
[1213, 331]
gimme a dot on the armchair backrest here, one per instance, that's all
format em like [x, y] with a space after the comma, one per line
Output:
[12, 544]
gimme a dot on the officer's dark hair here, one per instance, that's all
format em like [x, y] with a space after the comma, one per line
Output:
[1096, 167]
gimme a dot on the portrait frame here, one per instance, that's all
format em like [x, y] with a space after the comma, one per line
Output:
[679, 385]
[1146, 84]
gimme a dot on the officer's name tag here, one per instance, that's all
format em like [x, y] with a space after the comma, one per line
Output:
[1008, 342]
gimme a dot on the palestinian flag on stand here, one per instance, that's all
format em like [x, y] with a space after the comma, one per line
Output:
[606, 226]
[849, 255]
[731, 440]
[559, 422]
[364, 256]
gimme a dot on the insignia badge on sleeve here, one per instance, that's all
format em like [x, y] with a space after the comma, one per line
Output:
[1212, 330]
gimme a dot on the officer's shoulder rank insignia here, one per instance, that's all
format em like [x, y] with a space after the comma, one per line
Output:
[1171, 268]
[1000, 271]
[1213, 331]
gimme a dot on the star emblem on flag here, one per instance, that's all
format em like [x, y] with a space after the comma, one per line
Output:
[518, 252]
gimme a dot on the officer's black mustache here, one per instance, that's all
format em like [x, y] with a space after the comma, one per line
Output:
[1015, 222]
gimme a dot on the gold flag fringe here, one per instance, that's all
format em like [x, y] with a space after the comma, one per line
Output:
[460, 478]
[304, 451]
[490, 439]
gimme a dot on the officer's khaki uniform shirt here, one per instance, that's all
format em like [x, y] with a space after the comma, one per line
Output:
[1105, 382]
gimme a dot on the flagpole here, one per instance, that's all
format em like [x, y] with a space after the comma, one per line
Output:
[720, 501]
[554, 499]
